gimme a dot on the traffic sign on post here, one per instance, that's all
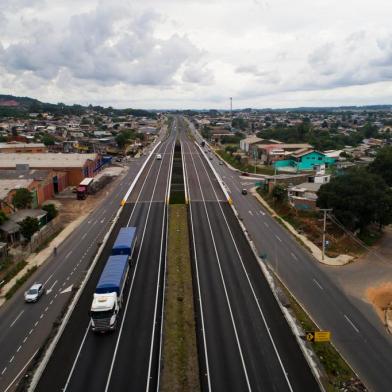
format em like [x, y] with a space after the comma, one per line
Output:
[318, 336]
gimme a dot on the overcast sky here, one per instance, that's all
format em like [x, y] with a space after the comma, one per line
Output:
[198, 53]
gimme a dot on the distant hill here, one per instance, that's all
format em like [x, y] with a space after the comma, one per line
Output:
[11, 106]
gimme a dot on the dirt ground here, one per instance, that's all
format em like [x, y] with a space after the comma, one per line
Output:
[369, 278]
[380, 297]
[71, 208]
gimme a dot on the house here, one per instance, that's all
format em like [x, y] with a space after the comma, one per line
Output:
[17, 147]
[10, 229]
[247, 142]
[270, 151]
[304, 196]
[304, 160]
[76, 166]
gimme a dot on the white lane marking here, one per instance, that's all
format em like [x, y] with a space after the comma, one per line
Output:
[24, 340]
[18, 349]
[46, 309]
[17, 317]
[22, 370]
[294, 256]
[352, 324]
[262, 212]
[31, 331]
[133, 277]
[68, 254]
[250, 212]
[48, 291]
[47, 280]
[67, 290]
[103, 220]
[36, 323]
[42, 315]
[4, 370]
[221, 275]
[103, 211]
[199, 288]
[318, 284]
[50, 303]
[12, 359]
[278, 238]
[266, 224]
[77, 357]
[285, 373]
[84, 236]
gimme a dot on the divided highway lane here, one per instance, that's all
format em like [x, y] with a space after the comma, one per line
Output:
[83, 360]
[359, 336]
[244, 340]
[25, 327]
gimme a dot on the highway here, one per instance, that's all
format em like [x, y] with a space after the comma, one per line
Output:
[129, 358]
[356, 331]
[244, 341]
[25, 327]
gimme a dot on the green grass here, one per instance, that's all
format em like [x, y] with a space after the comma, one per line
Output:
[13, 270]
[245, 168]
[180, 371]
[337, 372]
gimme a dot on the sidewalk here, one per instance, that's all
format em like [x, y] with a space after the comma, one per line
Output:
[314, 250]
[37, 259]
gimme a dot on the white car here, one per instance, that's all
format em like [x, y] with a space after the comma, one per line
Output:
[34, 293]
[159, 157]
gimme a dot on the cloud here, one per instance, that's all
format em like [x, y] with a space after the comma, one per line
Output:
[106, 45]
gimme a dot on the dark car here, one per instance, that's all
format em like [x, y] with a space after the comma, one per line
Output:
[244, 192]
[245, 174]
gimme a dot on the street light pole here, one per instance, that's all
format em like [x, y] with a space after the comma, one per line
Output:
[325, 210]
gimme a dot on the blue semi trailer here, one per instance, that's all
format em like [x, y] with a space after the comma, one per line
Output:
[108, 294]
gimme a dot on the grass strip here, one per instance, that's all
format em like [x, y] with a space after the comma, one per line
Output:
[338, 375]
[180, 369]
[20, 281]
[268, 170]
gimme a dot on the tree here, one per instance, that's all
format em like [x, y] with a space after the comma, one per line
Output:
[22, 198]
[48, 139]
[239, 123]
[28, 227]
[357, 199]
[51, 210]
[382, 165]
[3, 217]
[279, 193]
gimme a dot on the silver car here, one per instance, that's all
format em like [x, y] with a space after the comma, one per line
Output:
[34, 293]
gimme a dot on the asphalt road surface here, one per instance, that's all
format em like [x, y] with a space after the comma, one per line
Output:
[129, 358]
[25, 327]
[245, 343]
[359, 336]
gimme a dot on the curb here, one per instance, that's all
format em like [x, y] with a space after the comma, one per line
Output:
[310, 247]
[290, 320]
[41, 367]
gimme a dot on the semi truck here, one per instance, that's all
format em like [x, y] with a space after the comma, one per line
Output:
[83, 188]
[108, 294]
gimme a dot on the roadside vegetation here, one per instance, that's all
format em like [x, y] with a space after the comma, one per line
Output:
[236, 162]
[180, 371]
[338, 376]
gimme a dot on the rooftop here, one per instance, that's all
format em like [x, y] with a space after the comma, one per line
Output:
[8, 185]
[45, 160]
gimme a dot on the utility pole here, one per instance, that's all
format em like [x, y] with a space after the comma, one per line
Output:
[325, 210]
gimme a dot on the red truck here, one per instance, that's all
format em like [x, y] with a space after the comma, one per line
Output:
[83, 189]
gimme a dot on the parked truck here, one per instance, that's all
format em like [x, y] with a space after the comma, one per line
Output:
[83, 188]
[108, 294]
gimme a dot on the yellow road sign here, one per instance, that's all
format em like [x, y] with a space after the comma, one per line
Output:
[322, 336]
[318, 336]
[310, 336]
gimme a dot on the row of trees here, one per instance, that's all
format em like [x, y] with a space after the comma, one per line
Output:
[321, 139]
[362, 196]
